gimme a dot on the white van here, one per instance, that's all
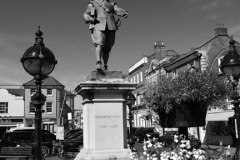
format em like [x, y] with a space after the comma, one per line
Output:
[21, 128]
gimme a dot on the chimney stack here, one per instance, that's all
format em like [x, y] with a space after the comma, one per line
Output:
[159, 46]
[220, 30]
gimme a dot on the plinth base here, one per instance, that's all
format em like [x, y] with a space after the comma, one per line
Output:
[91, 154]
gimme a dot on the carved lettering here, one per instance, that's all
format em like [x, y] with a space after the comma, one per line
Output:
[102, 126]
[113, 126]
[107, 116]
[106, 126]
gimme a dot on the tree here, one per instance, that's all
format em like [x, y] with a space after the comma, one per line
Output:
[168, 93]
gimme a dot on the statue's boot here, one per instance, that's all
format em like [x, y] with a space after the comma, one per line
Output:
[105, 58]
[99, 65]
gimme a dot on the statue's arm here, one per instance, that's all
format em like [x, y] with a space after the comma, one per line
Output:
[119, 11]
[88, 15]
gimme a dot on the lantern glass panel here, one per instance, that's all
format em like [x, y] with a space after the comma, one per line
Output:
[32, 66]
[232, 70]
[47, 67]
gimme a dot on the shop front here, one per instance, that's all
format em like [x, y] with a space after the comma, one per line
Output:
[8, 123]
[47, 124]
[218, 128]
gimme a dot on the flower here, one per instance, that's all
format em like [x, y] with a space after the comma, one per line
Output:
[175, 140]
[182, 150]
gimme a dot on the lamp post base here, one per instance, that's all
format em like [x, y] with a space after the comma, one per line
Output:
[131, 142]
[236, 156]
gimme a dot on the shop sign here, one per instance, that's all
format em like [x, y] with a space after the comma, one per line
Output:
[6, 120]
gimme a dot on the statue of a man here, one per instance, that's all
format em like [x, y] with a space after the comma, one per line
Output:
[100, 15]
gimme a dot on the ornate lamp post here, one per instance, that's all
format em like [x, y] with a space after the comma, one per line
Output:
[39, 62]
[130, 100]
[230, 65]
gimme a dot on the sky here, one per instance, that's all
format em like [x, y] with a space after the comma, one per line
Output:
[180, 24]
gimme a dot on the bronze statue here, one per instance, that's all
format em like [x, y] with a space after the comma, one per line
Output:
[100, 15]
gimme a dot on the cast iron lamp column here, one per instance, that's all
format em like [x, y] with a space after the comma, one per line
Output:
[130, 100]
[39, 62]
[230, 66]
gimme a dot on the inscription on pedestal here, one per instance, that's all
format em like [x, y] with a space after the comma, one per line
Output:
[109, 125]
[105, 126]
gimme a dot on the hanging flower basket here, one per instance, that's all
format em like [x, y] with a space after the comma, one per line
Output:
[182, 101]
[186, 114]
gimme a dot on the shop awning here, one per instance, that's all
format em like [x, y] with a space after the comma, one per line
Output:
[217, 115]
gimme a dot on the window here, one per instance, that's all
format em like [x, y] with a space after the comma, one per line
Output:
[219, 128]
[134, 81]
[51, 128]
[219, 64]
[139, 99]
[137, 78]
[191, 64]
[141, 76]
[49, 107]
[31, 108]
[49, 92]
[174, 73]
[32, 91]
[3, 107]
[135, 101]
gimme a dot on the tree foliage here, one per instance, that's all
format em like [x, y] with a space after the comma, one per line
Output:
[205, 87]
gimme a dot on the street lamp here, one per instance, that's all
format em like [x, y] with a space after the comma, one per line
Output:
[39, 62]
[230, 66]
[130, 100]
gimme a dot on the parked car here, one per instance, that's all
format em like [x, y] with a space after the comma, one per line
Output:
[46, 135]
[168, 138]
[141, 133]
[71, 132]
[75, 135]
[73, 144]
[24, 138]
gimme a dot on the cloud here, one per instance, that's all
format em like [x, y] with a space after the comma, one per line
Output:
[213, 16]
[214, 4]
[211, 6]
[11, 72]
[71, 79]
[8, 46]
[234, 29]
[13, 44]
[207, 5]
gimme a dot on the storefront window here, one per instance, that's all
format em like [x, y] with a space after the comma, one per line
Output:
[3, 107]
[219, 128]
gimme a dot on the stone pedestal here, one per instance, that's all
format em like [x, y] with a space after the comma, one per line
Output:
[104, 116]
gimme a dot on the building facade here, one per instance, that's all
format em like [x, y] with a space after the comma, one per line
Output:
[11, 107]
[208, 54]
[137, 74]
[58, 108]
